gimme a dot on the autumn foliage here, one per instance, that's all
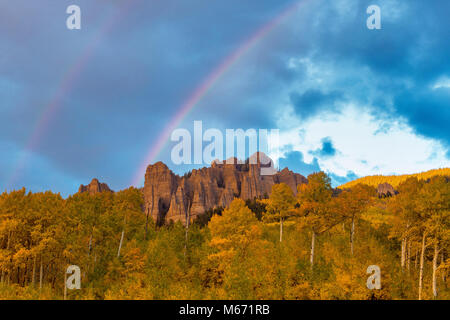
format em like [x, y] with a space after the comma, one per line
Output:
[313, 245]
[395, 180]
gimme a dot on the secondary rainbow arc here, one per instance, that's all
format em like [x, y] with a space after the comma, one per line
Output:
[68, 82]
[202, 90]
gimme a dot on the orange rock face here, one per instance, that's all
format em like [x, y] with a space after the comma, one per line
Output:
[170, 197]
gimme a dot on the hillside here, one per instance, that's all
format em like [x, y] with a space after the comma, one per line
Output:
[395, 180]
[315, 244]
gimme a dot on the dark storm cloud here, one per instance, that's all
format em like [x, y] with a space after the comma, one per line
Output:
[313, 101]
[132, 78]
[408, 55]
[428, 111]
[327, 149]
[392, 69]
[141, 69]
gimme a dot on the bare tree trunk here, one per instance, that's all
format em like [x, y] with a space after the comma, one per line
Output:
[89, 253]
[53, 278]
[435, 258]
[41, 275]
[90, 244]
[281, 229]
[422, 258]
[146, 223]
[65, 285]
[403, 256]
[7, 248]
[408, 253]
[121, 237]
[416, 260]
[3, 275]
[33, 278]
[120, 244]
[25, 274]
[313, 240]
[443, 271]
[352, 233]
[188, 223]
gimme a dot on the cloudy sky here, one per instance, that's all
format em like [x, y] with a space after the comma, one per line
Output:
[95, 102]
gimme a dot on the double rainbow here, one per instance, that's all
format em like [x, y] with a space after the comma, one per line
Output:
[202, 90]
[73, 74]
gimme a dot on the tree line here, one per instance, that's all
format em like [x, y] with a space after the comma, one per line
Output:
[315, 245]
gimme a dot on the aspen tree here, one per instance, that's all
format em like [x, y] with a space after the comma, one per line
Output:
[280, 205]
[318, 212]
[352, 203]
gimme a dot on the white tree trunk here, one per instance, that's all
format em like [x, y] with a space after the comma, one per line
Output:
[313, 240]
[90, 245]
[408, 255]
[65, 285]
[281, 229]
[120, 244]
[33, 277]
[416, 260]
[403, 253]
[352, 233]
[188, 222]
[41, 275]
[123, 233]
[435, 257]
[422, 258]
[443, 271]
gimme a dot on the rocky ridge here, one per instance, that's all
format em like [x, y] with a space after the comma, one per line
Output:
[94, 187]
[385, 190]
[168, 196]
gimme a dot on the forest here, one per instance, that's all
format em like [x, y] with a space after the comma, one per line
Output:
[315, 245]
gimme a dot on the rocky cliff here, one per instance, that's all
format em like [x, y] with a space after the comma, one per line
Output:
[94, 187]
[168, 196]
[385, 190]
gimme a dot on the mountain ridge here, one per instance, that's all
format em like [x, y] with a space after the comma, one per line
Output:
[168, 196]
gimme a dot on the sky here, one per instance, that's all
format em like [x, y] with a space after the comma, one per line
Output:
[99, 101]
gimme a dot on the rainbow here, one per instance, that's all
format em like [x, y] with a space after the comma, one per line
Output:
[68, 82]
[74, 72]
[201, 91]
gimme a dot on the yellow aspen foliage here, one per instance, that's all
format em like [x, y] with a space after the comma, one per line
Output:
[329, 238]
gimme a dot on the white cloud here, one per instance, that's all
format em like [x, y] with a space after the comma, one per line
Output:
[443, 82]
[366, 145]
